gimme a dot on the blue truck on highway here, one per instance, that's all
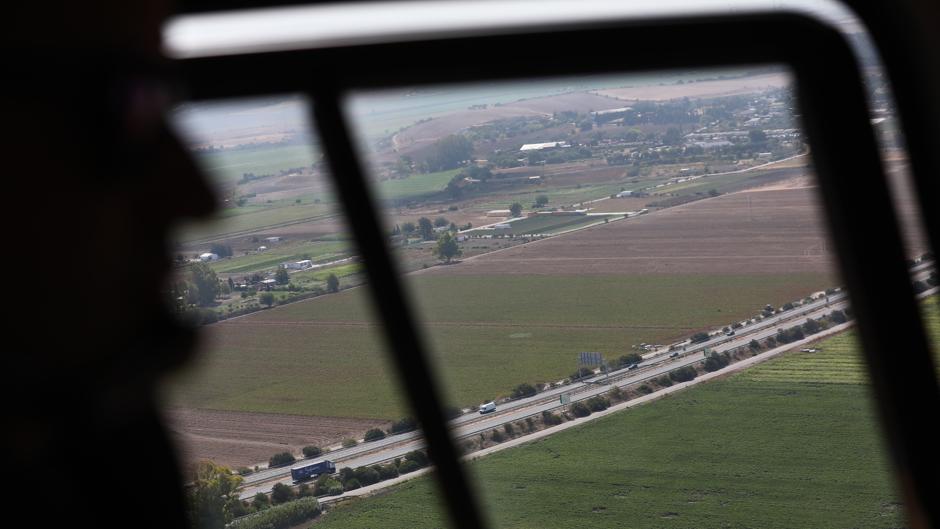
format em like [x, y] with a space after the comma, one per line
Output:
[311, 470]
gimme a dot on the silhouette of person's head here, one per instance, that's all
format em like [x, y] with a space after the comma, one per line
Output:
[97, 182]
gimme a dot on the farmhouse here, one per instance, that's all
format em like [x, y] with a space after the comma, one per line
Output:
[268, 284]
[204, 257]
[503, 226]
[540, 146]
[498, 213]
[273, 239]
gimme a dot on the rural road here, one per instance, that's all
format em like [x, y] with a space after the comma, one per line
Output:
[655, 364]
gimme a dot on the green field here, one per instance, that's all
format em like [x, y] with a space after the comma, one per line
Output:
[488, 334]
[415, 186]
[789, 443]
[317, 251]
[227, 166]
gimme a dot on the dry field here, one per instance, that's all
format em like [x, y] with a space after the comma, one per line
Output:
[761, 232]
[237, 439]
[701, 89]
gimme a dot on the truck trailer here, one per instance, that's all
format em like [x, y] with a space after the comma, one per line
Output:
[311, 470]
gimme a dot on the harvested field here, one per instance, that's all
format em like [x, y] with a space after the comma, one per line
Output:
[771, 232]
[701, 89]
[236, 439]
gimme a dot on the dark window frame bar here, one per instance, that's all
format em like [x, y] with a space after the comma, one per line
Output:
[861, 217]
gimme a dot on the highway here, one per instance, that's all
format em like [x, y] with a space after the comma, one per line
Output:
[655, 363]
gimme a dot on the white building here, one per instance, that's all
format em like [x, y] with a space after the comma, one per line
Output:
[299, 265]
[208, 256]
[540, 146]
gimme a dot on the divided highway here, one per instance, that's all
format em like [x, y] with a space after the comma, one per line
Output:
[655, 364]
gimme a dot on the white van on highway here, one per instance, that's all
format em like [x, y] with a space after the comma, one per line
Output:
[487, 408]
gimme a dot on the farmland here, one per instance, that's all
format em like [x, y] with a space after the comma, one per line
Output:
[516, 329]
[790, 443]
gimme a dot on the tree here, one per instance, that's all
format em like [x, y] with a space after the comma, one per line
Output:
[332, 283]
[447, 247]
[281, 493]
[312, 451]
[266, 298]
[515, 209]
[231, 284]
[541, 200]
[259, 503]
[629, 359]
[715, 361]
[449, 152]
[757, 136]
[699, 337]
[408, 228]
[212, 499]
[206, 282]
[281, 277]
[672, 136]
[440, 221]
[222, 250]
[426, 229]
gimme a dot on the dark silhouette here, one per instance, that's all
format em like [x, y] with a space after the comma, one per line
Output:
[94, 182]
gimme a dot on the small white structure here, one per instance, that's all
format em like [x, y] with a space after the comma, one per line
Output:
[498, 213]
[540, 146]
[262, 248]
[503, 226]
[299, 265]
[625, 194]
[534, 178]
[273, 239]
[208, 256]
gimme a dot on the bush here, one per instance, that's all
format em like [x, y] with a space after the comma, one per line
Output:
[522, 391]
[811, 326]
[374, 434]
[303, 490]
[598, 403]
[663, 381]
[497, 436]
[699, 337]
[352, 484]
[366, 476]
[550, 419]
[408, 466]
[389, 471]
[349, 442]
[683, 374]
[715, 361]
[312, 451]
[615, 393]
[509, 429]
[281, 493]
[244, 471]
[837, 316]
[644, 390]
[452, 412]
[327, 486]
[281, 516]
[581, 373]
[282, 459]
[754, 345]
[629, 359]
[770, 342]
[260, 502]
[418, 457]
[405, 424]
[580, 409]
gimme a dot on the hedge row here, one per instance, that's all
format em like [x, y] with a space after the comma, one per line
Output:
[280, 516]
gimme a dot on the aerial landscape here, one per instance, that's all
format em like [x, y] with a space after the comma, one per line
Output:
[573, 249]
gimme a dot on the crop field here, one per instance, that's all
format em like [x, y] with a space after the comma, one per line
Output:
[228, 166]
[324, 357]
[789, 443]
[415, 186]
